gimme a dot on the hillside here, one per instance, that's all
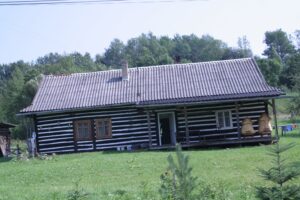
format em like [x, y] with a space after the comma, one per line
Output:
[103, 173]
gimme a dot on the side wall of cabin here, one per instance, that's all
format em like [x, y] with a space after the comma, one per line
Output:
[130, 127]
[202, 122]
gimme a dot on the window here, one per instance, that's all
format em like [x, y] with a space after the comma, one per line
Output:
[224, 119]
[103, 128]
[83, 130]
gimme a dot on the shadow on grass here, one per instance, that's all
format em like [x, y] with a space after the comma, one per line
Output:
[5, 159]
[292, 135]
[195, 148]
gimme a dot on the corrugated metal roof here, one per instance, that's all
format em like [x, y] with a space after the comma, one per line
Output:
[176, 83]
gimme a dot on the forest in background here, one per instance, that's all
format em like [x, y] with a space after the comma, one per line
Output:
[280, 64]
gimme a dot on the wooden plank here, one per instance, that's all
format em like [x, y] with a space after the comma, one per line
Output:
[36, 133]
[157, 129]
[275, 118]
[237, 106]
[187, 133]
[256, 140]
[149, 129]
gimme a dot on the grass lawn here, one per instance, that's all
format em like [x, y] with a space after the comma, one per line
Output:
[233, 168]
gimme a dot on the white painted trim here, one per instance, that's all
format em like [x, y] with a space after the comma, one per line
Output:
[51, 132]
[129, 129]
[114, 146]
[223, 113]
[81, 150]
[56, 151]
[55, 123]
[63, 147]
[132, 133]
[124, 142]
[132, 125]
[55, 143]
[56, 139]
[123, 138]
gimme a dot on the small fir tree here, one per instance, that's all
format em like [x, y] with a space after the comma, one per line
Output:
[178, 182]
[280, 174]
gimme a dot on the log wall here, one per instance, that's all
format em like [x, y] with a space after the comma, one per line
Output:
[202, 120]
[130, 126]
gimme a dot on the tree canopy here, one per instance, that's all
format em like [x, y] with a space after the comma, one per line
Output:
[19, 80]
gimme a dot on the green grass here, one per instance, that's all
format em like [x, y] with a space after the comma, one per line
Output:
[100, 172]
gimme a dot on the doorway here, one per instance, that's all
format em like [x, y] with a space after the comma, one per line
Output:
[166, 128]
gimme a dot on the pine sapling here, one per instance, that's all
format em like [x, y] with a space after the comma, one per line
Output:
[178, 182]
[280, 174]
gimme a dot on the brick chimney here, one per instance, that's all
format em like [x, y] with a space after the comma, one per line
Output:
[125, 75]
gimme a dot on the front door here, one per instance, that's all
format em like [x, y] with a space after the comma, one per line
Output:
[167, 129]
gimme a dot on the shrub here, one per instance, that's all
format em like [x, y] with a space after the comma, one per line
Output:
[77, 193]
[178, 182]
[280, 174]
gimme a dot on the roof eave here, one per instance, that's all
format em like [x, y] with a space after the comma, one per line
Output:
[153, 104]
[70, 109]
[211, 101]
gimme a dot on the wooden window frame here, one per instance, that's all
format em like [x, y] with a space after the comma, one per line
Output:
[224, 121]
[97, 133]
[76, 133]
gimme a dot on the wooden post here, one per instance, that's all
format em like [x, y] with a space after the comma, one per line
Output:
[149, 129]
[267, 107]
[93, 132]
[237, 107]
[275, 118]
[187, 132]
[36, 134]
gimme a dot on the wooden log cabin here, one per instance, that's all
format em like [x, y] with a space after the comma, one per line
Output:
[195, 104]
[5, 137]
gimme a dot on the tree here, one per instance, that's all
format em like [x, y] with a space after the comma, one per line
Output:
[146, 50]
[114, 55]
[66, 64]
[181, 50]
[271, 69]
[243, 50]
[280, 174]
[291, 72]
[279, 44]
[178, 182]
[49, 59]
[167, 43]
[294, 103]
[297, 39]
[12, 91]
[244, 47]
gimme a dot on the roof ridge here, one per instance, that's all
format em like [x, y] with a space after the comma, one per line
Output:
[192, 63]
[81, 73]
[148, 67]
